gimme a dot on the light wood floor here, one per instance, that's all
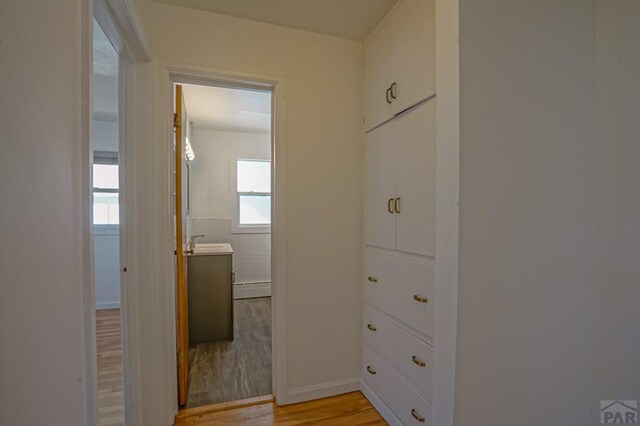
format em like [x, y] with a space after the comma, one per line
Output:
[351, 409]
[229, 371]
[109, 341]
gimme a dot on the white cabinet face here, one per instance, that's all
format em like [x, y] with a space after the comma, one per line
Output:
[379, 188]
[415, 139]
[413, 53]
[377, 78]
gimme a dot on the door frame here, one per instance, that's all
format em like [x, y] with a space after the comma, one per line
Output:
[123, 28]
[181, 74]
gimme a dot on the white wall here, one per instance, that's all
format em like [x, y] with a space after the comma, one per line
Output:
[213, 198]
[44, 163]
[616, 372]
[105, 135]
[106, 251]
[324, 175]
[528, 213]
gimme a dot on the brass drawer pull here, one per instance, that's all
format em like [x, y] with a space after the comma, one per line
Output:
[390, 205]
[417, 416]
[396, 205]
[420, 299]
[418, 362]
[372, 328]
[371, 370]
[372, 279]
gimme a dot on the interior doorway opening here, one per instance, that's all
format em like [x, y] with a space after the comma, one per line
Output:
[106, 212]
[223, 209]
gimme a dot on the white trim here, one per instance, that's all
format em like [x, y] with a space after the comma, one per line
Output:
[90, 370]
[322, 390]
[122, 26]
[380, 406]
[447, 200]
[251, 290]
[107, 305]
[198, 75]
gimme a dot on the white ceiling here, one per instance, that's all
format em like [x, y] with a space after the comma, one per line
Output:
[228, 109]
[105, 77]
[352, 19]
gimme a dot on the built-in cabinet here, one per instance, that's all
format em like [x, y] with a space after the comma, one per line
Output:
[400, 214]
[400, 182]
[399, 68]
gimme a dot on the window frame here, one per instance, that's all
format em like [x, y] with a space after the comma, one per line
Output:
[237, 227]
[108, 158]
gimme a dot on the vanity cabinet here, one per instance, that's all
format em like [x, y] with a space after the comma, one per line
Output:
[399, 62]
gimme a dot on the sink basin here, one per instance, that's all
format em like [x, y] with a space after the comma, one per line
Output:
[212, 249]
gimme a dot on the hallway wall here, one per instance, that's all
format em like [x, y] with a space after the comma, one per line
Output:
[45, 250]
[323, 127]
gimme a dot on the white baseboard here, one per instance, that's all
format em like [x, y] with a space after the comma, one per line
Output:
[251, 290]
[380, 406]
[108, 305]
[322, 390]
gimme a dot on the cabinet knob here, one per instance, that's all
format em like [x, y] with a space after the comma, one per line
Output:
[396, 205]
[371, 327]
[372, 279]
[371, 370]
[417, 416]
[390, 205]
[420, 299]
[387, 95]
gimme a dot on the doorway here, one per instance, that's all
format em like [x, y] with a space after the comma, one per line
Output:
[223, 208]
[106, 178]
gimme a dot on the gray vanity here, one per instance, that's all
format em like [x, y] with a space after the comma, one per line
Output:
[210, 293]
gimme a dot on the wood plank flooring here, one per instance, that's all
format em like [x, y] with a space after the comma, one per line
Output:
[351, 409]
[109, 349]
[229, 371]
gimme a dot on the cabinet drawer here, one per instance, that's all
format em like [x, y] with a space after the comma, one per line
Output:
[407, 354]
[405, 403]
[401, 288]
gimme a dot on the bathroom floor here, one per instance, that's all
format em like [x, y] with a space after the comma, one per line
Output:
[228, 371]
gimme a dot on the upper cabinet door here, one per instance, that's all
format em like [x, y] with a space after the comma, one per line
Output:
[416, 180]
[377, 78]
[413, 53]
[379, 188]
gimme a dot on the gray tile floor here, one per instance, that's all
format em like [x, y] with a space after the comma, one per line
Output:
[228, 371]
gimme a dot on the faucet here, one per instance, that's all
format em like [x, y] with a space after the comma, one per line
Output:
[192, 243]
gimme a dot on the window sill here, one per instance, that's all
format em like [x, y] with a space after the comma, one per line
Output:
[106, 229]
[249, 229]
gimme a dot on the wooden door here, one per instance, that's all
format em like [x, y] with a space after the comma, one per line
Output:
[413, 53]
[416, 174]
[377, 78]
[181, 246]
[379, 187]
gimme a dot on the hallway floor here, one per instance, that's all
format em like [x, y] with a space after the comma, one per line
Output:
[229, 371]
[109, 350]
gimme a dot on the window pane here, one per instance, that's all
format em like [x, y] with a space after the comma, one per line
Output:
[105, 209]
[254, 176]
[255, 209]
[105, 176]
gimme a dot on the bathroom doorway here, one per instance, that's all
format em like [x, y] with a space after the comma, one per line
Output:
[222, 193]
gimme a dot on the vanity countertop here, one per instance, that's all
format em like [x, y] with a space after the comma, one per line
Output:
[212, 249]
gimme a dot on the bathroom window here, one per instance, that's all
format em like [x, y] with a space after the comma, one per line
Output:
[253, 188]
[106, 209]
